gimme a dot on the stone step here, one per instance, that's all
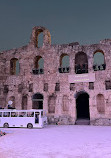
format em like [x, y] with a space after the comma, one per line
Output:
[82, 122]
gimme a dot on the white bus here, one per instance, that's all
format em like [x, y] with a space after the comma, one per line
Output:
[22, 118]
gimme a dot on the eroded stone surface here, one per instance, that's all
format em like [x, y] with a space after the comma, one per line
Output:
[59, 95]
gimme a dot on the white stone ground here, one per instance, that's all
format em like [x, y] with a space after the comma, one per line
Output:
[57, 142]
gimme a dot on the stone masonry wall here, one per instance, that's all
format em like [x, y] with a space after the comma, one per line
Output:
[63, 101]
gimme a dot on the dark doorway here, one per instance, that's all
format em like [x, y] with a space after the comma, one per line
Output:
[82, 106]
[37, 101]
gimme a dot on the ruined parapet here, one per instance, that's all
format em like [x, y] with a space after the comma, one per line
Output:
[106, 41]
[35, 33]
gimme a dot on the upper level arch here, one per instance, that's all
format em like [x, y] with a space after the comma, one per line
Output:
[99, 60]
[38, 65]
[14, 66]
[35, 34]
[81, 63]
[64, 65]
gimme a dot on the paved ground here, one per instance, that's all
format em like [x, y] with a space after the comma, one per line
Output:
[57, 142]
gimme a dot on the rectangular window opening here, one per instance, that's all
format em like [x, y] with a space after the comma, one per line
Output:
[45, 87]
[108, 84]
[57, 87]
[72, 86]
[91, 85]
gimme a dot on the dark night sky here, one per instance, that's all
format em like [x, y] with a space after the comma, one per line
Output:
[83, 21]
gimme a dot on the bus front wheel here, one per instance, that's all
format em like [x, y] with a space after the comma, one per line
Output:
[6, 125]
[29, 126]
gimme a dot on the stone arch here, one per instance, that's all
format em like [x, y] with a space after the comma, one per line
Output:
[51, 103]
[81, 63]
[64, 60]
[38, 65]
[38, 62]
[46, 36]
[37, 101]
[64, 63]
[65, 102]
[100, 103]
[99, 64]
[14, 66]
[12, 98]
[82, 105]
[24, 102]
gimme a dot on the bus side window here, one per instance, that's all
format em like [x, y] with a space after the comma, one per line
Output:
[0, 114]
[30, 114]
[22, 114]
[14, 114]
[37, 117]
[6, 114]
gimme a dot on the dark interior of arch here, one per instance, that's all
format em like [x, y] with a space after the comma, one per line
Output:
[82, 106]
[14, 66]
[37, 96]
[36, 62]
[81, 63]
[37, 101]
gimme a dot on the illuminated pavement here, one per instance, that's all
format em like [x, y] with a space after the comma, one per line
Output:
[56, 141]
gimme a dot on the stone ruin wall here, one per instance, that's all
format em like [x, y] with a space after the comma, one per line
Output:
[63, 110]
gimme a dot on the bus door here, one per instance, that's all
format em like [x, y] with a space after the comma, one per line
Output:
[37, 117]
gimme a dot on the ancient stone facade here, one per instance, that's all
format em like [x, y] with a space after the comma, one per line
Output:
[65, 80]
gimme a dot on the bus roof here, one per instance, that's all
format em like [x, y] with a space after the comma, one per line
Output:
[15, 110]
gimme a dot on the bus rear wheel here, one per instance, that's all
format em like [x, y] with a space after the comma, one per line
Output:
[6, 125]
[29, 126]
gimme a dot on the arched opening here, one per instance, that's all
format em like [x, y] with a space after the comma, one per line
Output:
[51, 104]
[12, 98]
[40, 39]
[82, 105]
[37, 101]
[64, 63]
[24, 102]
[14, 66]
[81, 63]
[39, 62]
[99, 61]
[100, 103]
[65, 102]
[38, 65]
